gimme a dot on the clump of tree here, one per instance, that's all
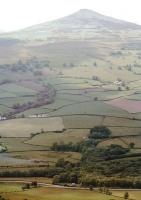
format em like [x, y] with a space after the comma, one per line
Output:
[95, 78]
[26, 186]
[126, 195]
[119, 89]
[105, 190]
[95, 64]
[131, 145]
[65, 147]
[115, 149]
[38, 73]
[2, 198]
[100, 132]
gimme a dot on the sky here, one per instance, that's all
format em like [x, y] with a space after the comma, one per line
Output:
[18, 14]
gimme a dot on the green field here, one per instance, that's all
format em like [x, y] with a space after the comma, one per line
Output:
[25, 127]
[14, 191]
[47, 139]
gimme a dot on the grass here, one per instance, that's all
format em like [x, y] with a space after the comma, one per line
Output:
[81, 121]
[20, 145]
[56, 194]
[24, 127]
[113, 121]
[4, 109]
[15, 89]
[47, 156]
[47, 139]
[89, 107]
[123, 141]
[38, 179]
[14, 191]
[8, 188]
[132, 194]
[125, 131]
[15, 100]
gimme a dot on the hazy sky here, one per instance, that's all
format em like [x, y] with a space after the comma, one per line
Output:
[18, 14]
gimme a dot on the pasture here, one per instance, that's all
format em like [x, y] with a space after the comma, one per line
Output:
[25, 127]
[70, 135]
[123, 141]
[14, 191]
[130, 106]
[46, 157]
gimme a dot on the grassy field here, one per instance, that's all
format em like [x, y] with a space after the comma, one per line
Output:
[47, 139]
[47, 157]
[15, 192]
[24, 127]
[20, 144]
[123, 141]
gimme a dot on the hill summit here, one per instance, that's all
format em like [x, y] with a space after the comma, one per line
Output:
[83, 24]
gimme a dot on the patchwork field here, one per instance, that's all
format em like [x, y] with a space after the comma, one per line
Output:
[84, 96]
[57, 82]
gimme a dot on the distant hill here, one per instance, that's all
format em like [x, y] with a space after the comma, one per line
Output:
[78, 38]
[84, 24]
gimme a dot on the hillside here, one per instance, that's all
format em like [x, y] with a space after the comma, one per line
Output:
[74, 73]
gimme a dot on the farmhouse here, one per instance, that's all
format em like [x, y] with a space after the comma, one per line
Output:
[38, 116]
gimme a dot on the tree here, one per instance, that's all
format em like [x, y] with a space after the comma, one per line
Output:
[126, 195]
[119, 89]
[115, 149]
[42, 130]
[131, 145]
[2, 198]
[91, 188]
[96, 98]
[94, 64]
[100, 190]
[26, 186]
[34, 184]
[100, 132]
[60, 162]
[64, 65]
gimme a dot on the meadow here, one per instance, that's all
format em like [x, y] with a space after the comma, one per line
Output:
[14, 191]
[27, 127]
